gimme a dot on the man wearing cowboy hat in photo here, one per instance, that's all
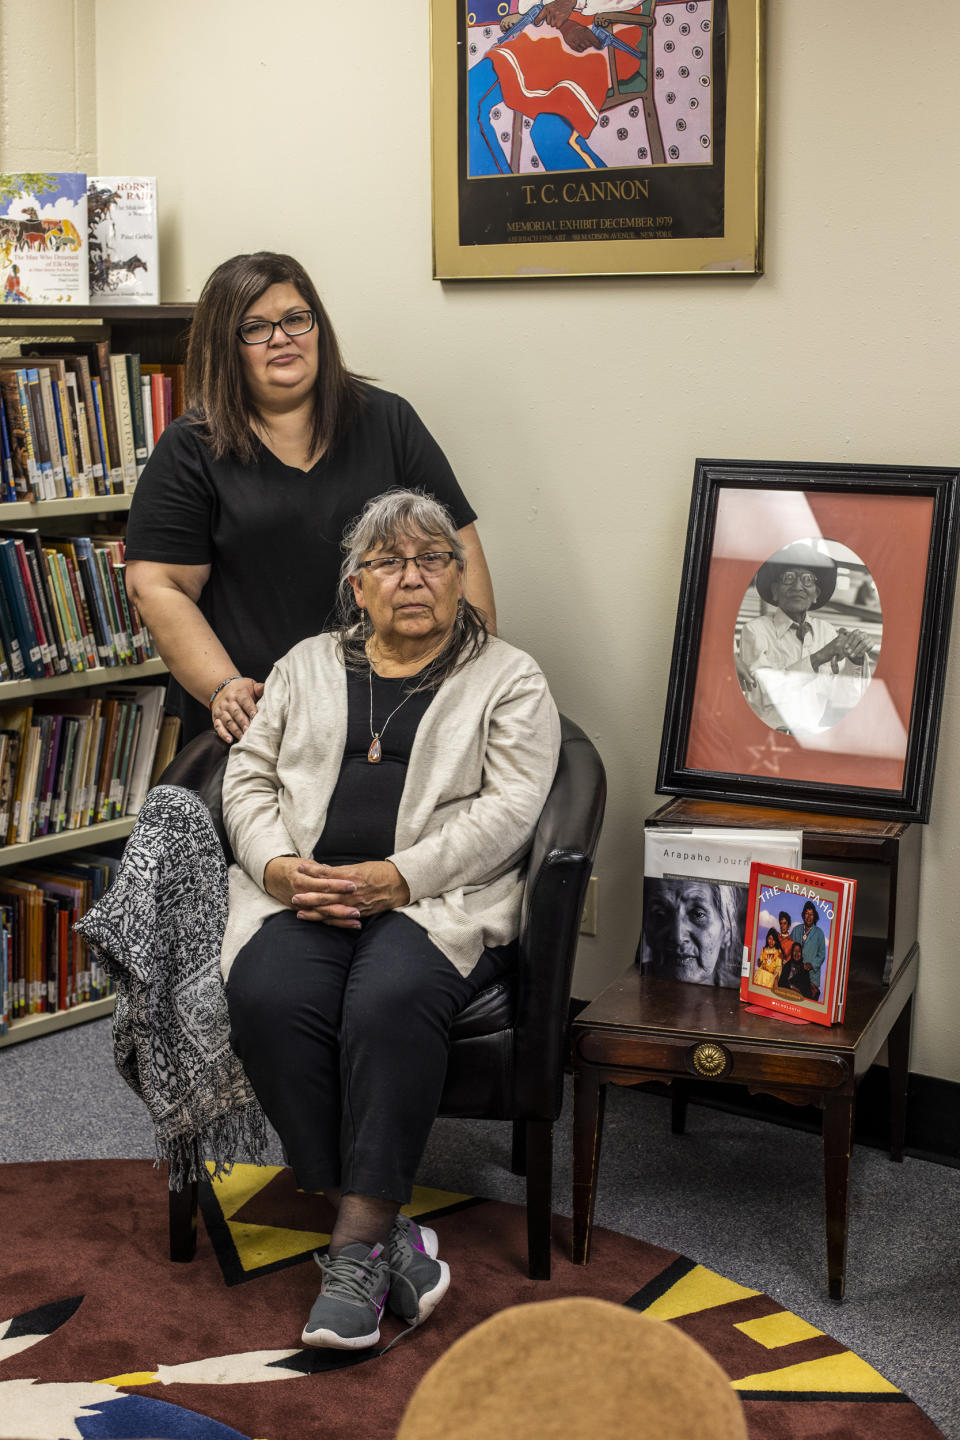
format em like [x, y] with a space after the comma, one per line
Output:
[798, 672]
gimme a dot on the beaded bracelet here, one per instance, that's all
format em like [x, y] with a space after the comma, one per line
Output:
[223, 684]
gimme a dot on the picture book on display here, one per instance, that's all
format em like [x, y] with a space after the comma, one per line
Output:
[122, 219]
[43, 239]
[796, 956]
[695, 893]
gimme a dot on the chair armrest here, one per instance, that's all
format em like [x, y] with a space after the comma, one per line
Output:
[559, 867]
[606, 19]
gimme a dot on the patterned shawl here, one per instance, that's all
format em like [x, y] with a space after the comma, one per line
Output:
[158, 931]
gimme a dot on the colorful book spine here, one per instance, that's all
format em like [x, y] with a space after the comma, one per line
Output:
[61, 406]
[40, 439]
[29, 439]
[8, 488]
[101, 434]
[12, 580]
[138, 419]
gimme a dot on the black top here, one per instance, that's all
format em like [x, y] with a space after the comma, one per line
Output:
[271, 532]
[361, 819]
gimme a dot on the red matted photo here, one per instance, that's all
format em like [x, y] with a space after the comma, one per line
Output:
[812, 635]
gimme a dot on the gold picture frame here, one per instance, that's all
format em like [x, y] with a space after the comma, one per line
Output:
[623, 140]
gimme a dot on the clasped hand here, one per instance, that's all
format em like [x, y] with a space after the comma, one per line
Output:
[340, 895]
[852, 645]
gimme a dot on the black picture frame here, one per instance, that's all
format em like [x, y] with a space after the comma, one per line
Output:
[738, 730]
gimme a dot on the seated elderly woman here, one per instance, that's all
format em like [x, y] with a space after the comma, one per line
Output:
[380, 806]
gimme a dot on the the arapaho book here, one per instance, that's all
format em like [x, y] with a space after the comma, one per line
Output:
[695, 888]
[122, 212]
[43, 239]
[796, 956]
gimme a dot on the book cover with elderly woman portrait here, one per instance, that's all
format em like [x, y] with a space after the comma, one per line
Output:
[695, 898]
[797, 948]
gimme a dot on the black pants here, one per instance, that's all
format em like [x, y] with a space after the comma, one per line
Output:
[344, 1036]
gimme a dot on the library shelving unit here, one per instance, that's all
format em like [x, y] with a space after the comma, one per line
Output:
[157, 333]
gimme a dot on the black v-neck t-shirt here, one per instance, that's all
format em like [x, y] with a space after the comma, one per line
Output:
[270, 532]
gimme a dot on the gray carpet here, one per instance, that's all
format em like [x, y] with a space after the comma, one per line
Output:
[743, 1197]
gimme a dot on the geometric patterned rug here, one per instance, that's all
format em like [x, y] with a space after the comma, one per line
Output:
[102, 1338]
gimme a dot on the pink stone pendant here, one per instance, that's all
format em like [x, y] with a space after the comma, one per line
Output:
[374, 753]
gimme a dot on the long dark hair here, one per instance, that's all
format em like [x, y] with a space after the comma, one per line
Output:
[214, 375]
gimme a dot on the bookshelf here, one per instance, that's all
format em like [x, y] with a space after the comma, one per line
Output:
[13, 690]
[39, 512]
[157, 333]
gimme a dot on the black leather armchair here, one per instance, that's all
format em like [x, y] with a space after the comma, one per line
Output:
[509, 1046]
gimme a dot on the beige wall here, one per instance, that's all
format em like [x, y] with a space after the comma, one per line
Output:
[573, 411]
[47, 85]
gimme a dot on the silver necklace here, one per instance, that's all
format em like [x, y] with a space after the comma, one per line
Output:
[375, 753]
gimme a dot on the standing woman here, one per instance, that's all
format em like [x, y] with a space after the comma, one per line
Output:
[233, 544]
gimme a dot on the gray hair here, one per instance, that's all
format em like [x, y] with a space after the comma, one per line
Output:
[395, 515]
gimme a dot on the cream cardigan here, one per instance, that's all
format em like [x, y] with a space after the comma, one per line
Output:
[481, 767]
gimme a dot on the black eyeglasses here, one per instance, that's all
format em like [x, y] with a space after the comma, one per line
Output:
[258, 332]
[432, 563]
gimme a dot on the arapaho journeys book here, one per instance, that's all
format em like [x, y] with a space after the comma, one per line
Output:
[796, 957]
[43, 239]
[695, 892]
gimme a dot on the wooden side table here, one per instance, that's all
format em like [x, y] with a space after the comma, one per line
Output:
[642, 1028]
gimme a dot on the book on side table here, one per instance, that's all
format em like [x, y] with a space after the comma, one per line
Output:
[695, 894]
[796, 956]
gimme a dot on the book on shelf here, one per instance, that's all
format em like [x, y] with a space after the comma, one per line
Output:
[18, 439]
[71, 761]
[8, 489]
[167, 393]
[97, 354]
[43, 231]
[82, 419]
[63, 605]
[5, 923]
[796, 955]
[695, 896]
[62, 418]
[120, 381]
[141, 448]
[15, 722]
[168, 743]
[24, 627]
[48, 966]
[122, 221]
[14, 665]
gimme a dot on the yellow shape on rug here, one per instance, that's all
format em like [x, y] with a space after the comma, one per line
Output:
[772, 1331]
[259, 1245]
[699, 1289]
[244, 1181]
[844, 1374]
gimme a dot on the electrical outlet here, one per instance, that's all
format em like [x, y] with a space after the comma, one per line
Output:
[588, 920]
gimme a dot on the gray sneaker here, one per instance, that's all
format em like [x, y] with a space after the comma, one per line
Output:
[346, 1313]
[418, 1280]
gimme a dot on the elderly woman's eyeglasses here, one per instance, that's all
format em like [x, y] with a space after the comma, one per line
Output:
[432, 563]
[258, 332]
[806, 579]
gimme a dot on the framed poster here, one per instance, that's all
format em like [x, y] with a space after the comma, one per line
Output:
[812, 634]
[596, 137]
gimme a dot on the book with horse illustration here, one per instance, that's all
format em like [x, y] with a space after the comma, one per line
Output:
[43, 239]
[122, 217]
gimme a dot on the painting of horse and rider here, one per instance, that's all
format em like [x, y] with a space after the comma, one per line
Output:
[43, 239]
